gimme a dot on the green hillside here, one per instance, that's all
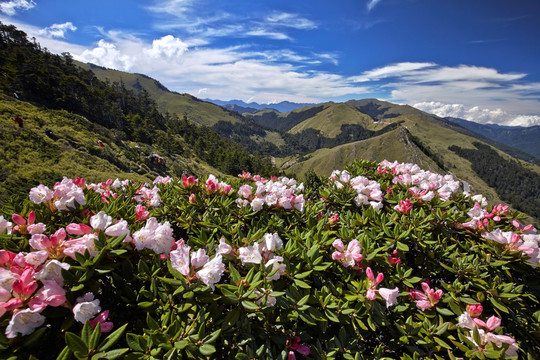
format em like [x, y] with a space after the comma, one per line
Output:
[330, 119]
[225, 122]
[29, 157]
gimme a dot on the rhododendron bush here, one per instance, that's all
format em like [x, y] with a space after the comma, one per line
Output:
[377, 261]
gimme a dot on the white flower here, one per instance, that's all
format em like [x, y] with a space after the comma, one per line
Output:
[52, 270]
[257, 204]
[250, 254]
[40, 194]
[180, 259]
[24, 322]
[223, 247]
[100, 221]
[199, 258]
[86, 308]
[212, 271]
[272, 242]
[4, 224]
[390, 295]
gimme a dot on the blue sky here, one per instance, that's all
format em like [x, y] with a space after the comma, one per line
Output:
[475, 59]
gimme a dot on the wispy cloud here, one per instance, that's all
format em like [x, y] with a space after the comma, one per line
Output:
[11, 7]
[296, 21]
[58, 30]
[372, 3]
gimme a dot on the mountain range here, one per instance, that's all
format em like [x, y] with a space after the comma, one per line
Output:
[138, 116]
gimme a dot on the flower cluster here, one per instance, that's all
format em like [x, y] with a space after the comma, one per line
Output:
[279, 192]
[263, 252]
[424, 184]
[368, 191]
[186, 263]
[485, 330]
[63, 196]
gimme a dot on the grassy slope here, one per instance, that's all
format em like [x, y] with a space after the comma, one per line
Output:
[329, 120]
[198, 111]
[28, 157]
[393, 145]
[432, 134]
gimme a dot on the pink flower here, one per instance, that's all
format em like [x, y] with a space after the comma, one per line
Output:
[294, 344]
[223, 248]
[105, 326]
[394, 259]
[245, 175]
[190, 181]
[100, 221]
[427, 299]
[140, 213]
[350, 256]
[192, 199]
[373, 283]
[51, 294]
[199, 258]
[404, 207]
[78, 229]
[477, 213]
[250, 254]
[475, 310]
[5, 225]
[334, 219]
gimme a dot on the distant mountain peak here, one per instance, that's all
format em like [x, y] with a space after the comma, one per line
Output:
[283, 106]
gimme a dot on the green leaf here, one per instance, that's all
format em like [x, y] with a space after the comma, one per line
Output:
[112, 338]
[207, 349]
[65, 354]
[235, 275]
[498, 305]
[401, 246]
[94, 337]
[444, 311]
[110, 355]
[303, 275]
[75, 343]
[249, 305]
[302, 284]
[134, 343]
[212, 337]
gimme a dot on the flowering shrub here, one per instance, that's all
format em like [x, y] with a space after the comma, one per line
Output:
[387, 261]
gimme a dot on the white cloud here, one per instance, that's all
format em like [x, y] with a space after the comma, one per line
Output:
[268, 34]
[57, 30]
[107, 54]
[372, 3]
[477, 114]
[168, 46]
[10, 7]
[394, 70]
[290, 20]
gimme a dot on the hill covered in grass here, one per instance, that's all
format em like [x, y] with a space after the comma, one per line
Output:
[51, 91]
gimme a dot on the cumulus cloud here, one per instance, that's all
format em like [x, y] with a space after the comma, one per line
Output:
[58, 30]
[10, 7]
[107, 54]
[477, 114]
[168, 46]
